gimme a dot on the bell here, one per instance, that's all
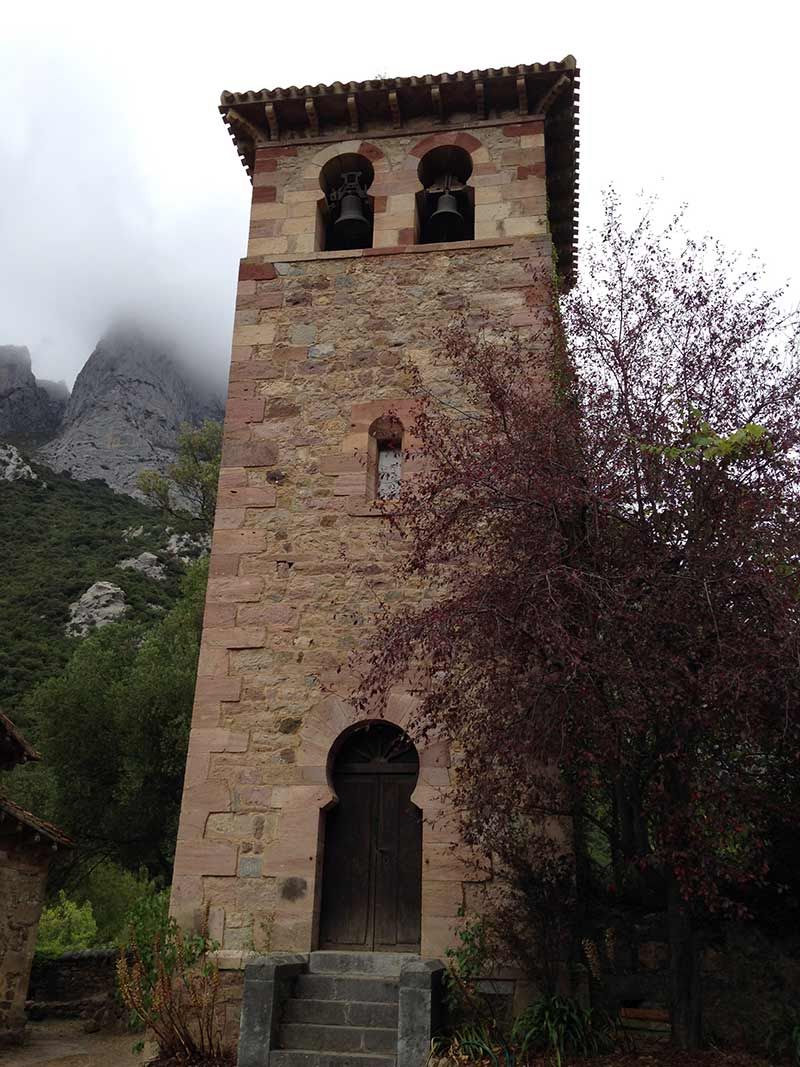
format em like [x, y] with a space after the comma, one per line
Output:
[447, 222]
[352, 228]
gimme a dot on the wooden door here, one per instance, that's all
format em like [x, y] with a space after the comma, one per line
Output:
[372, 869]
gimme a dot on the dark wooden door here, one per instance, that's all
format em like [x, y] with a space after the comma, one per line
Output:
[372, 869]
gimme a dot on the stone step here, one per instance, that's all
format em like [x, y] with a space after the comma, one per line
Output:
[300, 1058]
[388, 964]
[321, 1038]
[341, 1012]
[336, 987]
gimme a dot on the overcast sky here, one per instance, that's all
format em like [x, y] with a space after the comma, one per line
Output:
[121, 193]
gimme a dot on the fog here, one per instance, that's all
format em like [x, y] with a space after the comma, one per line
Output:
[122, 197]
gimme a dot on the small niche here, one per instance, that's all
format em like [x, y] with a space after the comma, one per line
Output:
[345, 213]
[385, 458]
[446, 203]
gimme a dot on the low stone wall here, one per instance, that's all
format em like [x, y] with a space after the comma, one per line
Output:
[79, 984]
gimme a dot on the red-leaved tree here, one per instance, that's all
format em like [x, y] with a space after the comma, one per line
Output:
[609, 528]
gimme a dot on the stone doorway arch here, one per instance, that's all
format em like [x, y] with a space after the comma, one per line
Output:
[372, 865]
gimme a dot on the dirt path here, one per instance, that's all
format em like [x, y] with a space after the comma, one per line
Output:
[62, 1043]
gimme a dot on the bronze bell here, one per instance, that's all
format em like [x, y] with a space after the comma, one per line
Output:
[447, 222]
[352, 227]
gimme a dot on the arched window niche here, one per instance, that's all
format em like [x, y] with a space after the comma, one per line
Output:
[345, 213]
[446, 203]
[385, 458]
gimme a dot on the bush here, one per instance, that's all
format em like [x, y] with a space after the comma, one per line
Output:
[554, 1025]
[783, 1040]
[561, 1026]
[66, 927]
[115, 895]
[170, 985]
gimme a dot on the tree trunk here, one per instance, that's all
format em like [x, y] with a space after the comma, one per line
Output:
[685, 973]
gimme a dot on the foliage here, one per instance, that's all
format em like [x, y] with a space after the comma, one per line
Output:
[113, 728]
[115, 895]
[535, 903]
[193, 478]
[467, 961]
[783, 1039]
[170, 984]
[59, 536]
[473, 1043]
[562, 1026]
[153, 933]
[553, 1025]
[610, 528]
[65, 926]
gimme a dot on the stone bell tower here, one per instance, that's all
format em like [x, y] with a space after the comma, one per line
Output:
[379, 210]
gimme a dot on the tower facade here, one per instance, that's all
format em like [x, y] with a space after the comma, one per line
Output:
[380, 210]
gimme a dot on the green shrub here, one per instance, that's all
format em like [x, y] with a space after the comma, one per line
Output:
[561, 1026]
[66, 927]
[467, 962]
[554, 1026]
[783, 1039]
[170, 984]
[115, 895]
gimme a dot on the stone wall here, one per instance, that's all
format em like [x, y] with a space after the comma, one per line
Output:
[23, 873]
[74, 981]
[322, 347]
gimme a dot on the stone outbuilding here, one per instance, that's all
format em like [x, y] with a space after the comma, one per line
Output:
[27, 845]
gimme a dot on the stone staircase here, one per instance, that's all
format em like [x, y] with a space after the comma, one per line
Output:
[343, 1012]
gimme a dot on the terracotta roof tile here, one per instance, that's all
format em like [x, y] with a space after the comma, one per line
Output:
[8, 809]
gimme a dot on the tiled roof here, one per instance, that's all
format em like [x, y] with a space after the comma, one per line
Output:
[314, 113]
[13, 746]
[568, 63]
[12, 811]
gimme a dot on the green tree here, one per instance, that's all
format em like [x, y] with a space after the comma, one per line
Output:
[66, 927]
[193, 478]
[114, 728]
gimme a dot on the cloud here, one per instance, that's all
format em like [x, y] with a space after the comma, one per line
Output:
[90, 237]
[121, 196]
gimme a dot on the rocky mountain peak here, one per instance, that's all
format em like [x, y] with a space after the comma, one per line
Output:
[29, 409]
[126, 409]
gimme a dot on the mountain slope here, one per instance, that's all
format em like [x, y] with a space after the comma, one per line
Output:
[59, 536]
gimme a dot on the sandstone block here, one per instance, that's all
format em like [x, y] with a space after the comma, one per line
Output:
[219, 688]
[255, 454]
[199, 859]
[255, 271]
[238, 541]
[236, 637]
[256, 496]
[260, 334]
[268, 246]
[235, 590]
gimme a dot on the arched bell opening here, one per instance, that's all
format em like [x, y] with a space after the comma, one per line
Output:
[345, 213]
[385, 458]
[446, 203]
[372, 855]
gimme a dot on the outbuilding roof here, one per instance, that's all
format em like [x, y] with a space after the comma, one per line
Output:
[14, 748]
[12, 814]
[464, 100]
